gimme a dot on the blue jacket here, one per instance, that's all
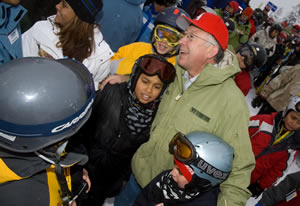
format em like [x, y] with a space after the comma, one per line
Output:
[149, 16]
[120, 22]
[10, 32]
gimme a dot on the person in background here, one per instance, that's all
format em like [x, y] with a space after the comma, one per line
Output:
[10, 32]
[242, 29]
[266, 13]
[282, 52]
[286, 193]
[294, 58]
[189, 182]
[229, 10]
[275, 94]
[120, 123]
[202, 96]
[275, 139]
[164, 42]
[267, 37]
[120, 21]
[43, 104]
[250, 56]
[59, 37]
[37, 11]
[196, 7]
[255, 20]
[150, 11]
[196, 11]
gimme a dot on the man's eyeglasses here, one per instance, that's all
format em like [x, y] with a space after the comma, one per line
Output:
[190, 36]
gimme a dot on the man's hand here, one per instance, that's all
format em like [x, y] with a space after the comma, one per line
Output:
[113, 79]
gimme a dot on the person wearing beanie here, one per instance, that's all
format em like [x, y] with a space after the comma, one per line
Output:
[189, 183]
[248, 12]
[229, 11]
[242, 29]
[203, 91]
[71, 33]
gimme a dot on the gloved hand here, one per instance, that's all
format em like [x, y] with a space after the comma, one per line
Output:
[257, 101]
[255, 189]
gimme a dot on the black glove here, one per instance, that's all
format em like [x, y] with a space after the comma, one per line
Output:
[257, 101]
[255, 189]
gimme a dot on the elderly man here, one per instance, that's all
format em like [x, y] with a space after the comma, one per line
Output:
[203, 97]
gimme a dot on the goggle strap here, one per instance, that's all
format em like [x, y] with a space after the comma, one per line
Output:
[186, 170]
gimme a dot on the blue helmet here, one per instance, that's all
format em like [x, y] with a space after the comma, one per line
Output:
[42, 102]
[208, 155]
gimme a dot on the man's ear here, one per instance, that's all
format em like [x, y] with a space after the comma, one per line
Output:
[212, 51]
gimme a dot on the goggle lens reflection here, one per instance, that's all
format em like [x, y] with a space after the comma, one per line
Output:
[170, 35]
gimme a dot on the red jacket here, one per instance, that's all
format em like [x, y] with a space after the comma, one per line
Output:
[243, 81]
[252, 28]
[271, 165]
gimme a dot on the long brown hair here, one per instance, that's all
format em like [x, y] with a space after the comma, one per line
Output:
[76, 39]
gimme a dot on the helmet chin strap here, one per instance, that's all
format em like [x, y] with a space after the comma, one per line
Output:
[66, 194]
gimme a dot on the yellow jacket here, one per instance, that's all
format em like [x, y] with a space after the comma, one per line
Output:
[124, 59]
[26, 179]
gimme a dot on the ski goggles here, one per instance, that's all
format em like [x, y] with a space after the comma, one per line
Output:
[182, 149]
[157, 65]
[169, 34]
[248, 54]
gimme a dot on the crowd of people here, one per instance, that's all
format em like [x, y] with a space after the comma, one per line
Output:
[145, 101]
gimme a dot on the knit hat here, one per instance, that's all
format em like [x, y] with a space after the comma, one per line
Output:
[267, 8]
[248, 12]
[186, 170]
[234, 5]
[86, 10]
[209, 23]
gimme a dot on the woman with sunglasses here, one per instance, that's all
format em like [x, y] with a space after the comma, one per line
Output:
[250, 56]
[71, 33]
[164, 42]
[120, 122]
[275, 139]
[202, 161]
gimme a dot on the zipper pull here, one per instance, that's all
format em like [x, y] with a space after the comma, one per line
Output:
[178, 97]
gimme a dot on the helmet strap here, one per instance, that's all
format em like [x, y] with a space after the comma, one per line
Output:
[65, 194]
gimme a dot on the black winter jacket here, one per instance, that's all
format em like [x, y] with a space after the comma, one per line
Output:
[109, 143]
